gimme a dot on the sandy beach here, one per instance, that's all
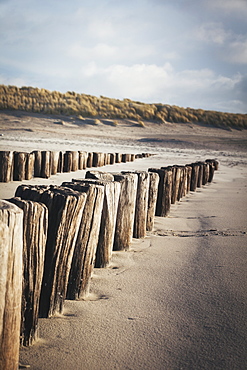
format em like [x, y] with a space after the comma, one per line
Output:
[178, 298]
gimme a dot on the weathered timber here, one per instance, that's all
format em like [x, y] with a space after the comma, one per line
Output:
[60, 162]
[126, 211]
[11, 221]
[67, 161]
[132, 157]
[19, 171]
[65, 213]
[181, 183]
[29, 170]
[87, 240]
[75, 160]
[194, 176]
[108, 219]
[205, 175]
[189, 171]
[45, 164]
[6, 166]
[54, 161]
[152, 199]
[140, 219]
[118, 157]
[82, 163]
[164, 190]
[200, 174]
[99, 175]
[90, 160]
[112, 158]
[98, 161]
[37, 163]
[176, 182]
[35, 225]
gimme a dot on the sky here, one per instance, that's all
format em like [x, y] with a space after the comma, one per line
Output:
[189, 53]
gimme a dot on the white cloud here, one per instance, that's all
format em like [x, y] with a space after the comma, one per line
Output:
[212, 32]
[237, 52]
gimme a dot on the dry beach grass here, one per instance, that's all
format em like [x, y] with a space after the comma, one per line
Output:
[177, 299]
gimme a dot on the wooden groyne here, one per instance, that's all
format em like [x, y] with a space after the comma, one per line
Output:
[52, 237]
[18, 166]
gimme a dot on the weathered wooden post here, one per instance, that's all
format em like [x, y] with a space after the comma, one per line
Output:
[75, 160]
[108, 219]
[6, 166]
[176, 182]
[140, 219]
[112, 158]
[200, 174]
[19, 173]
[67, 161]
[99, 175]
[126, 210]
[132, 157]
[152, 199]
[11, 224]
[37, 163]
[90, 160]
[65, 212]
[45, 164]
[60, 162]
[29, 172]
[86, 242]
[54, 161]
[82, 160]
[164, 190]
[205, 176]
[194, 176]
[189, 171]
[35, 225]
[118, 157]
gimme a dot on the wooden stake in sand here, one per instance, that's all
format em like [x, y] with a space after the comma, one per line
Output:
[54, 162]
[65, 212]
[126, 210]
[45, 164]
[37, 163]
[6, 166]
[108, 218]
[86, 241]
[35, 225]
[11, 221]
[19, 173]
[141, 204]
[163, 204]
[152, 199]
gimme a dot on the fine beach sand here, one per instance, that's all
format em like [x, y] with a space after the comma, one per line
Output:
[178, 298]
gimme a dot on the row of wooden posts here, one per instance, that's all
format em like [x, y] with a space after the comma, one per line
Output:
[20, 166]
[51, 238]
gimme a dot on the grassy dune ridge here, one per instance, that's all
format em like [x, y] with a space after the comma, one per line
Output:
[36, 100]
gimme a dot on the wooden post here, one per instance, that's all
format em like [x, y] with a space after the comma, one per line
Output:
[86, 242]
[126, 210]
[152, 199]
[112, 158]
[65, 212]
[6, 166]
[67, 164]
[132, 157]
[75, 160]
[194, 176]
[90, 160]
[11, 221]
[124, 158]
[29, 166]
[164, 190]
[19, 166]
[108, 219]
[189, 171]
[54, 161]
[45, 164]
[99, 175]
[200, 174]
[37, 163]
[140, 220]
[118, 157]
[82, 160]
[35, 224]
[176, 182]
[60, 162]
[205, 176]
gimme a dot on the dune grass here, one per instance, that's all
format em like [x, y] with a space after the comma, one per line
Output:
[36, 100]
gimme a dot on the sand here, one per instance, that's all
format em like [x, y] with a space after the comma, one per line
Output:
[177, 299]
